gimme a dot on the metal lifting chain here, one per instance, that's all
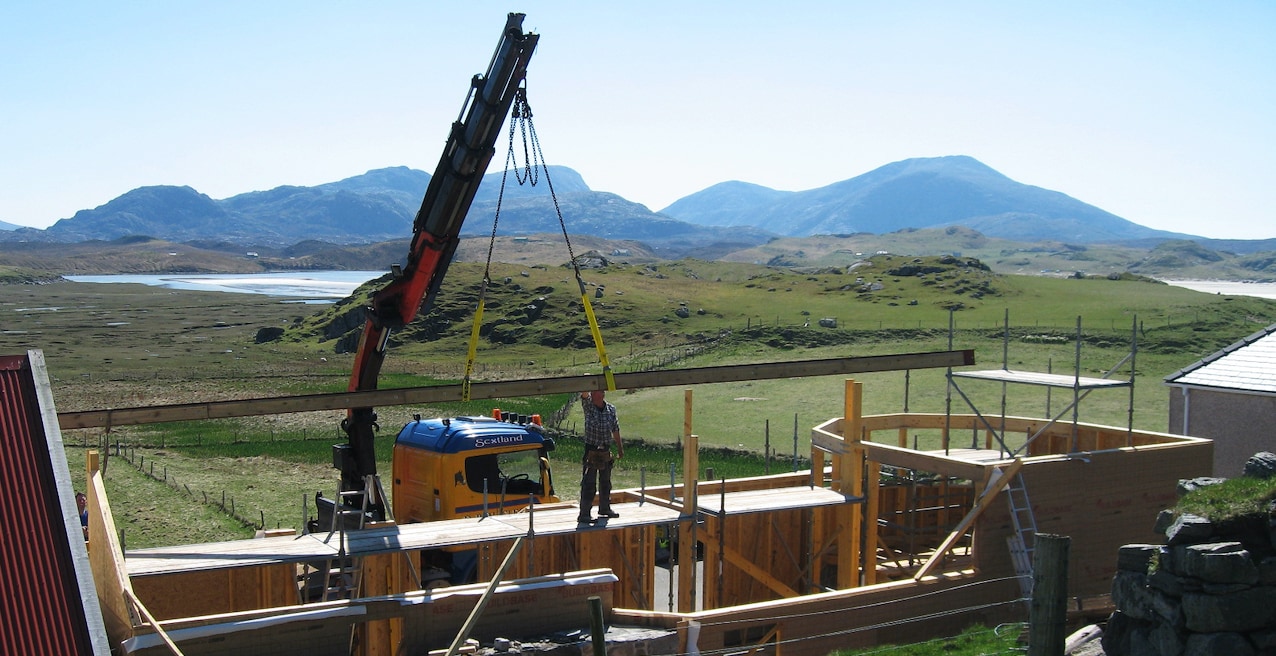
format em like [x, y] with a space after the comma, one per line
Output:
[533, 165]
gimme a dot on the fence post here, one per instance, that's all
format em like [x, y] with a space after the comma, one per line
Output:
[1048, 611]
[766, 450]
[596, 628]
[795, 441]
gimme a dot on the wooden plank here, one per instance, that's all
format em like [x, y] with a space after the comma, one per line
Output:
[1042, 379]
[389, 539]
[828, 442]
[110, 576]
[431, 617]
[927, 461]
[758, 501]
[508, 389]
[818, 624]
[983, 456]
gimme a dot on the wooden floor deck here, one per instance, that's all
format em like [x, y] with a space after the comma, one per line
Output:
[388, 539]
[557, 520]
[756, 501]
[1043, 379]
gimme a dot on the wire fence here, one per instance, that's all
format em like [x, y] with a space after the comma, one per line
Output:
[219, 500]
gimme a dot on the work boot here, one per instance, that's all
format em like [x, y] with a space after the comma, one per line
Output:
[608, 513]
[584, 519]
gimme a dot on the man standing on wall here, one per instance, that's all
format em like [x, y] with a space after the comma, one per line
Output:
[601, 429]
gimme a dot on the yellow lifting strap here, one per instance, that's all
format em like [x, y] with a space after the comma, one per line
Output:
[473, 350]
[597, 333]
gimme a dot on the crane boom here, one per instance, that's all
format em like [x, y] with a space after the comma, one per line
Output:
[435, 235]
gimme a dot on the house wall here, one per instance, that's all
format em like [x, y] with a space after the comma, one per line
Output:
[1240, 424]
[1100, 499]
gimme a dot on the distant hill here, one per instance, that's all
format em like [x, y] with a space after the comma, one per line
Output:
[8, 226]
[726, 204]
[380, 206]
[175, 213]
[915, 193]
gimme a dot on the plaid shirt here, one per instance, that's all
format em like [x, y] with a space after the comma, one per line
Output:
[600, 423]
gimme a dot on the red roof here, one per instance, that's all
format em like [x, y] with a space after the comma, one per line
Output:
[47, 598]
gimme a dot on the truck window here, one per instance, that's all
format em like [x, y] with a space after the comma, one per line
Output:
[518, 471]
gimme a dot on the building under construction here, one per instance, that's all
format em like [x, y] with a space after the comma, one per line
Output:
[877, 543]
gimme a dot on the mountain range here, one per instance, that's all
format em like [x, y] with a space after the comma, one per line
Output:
[380, 205]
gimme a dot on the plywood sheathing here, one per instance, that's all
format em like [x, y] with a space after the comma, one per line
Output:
[1101, 499]
[106, 559]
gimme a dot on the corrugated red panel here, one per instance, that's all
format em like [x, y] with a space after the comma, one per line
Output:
[40, 607]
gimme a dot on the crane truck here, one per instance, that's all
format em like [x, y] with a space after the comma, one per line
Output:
[449, 467]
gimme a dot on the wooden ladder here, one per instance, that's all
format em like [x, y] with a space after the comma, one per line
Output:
[1022, 542]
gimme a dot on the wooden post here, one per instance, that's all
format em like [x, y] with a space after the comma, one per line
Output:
[1048, 613]
[817, 530]
[851, 476]
[871, 501]
[817, 467]
[597, 629]
[687, 527]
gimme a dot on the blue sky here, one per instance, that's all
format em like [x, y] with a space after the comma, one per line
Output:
[1159, 112]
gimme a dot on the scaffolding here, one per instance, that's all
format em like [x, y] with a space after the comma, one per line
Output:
[1081, 387]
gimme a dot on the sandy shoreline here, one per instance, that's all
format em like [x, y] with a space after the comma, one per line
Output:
[1229, 287]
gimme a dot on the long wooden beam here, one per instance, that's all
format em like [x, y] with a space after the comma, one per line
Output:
[508, 389]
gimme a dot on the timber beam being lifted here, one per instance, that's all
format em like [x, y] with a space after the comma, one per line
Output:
[509, 389]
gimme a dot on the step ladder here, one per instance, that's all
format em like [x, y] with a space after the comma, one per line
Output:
[345, 572]
[1023, 541]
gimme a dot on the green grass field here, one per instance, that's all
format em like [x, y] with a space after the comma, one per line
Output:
[129, 345]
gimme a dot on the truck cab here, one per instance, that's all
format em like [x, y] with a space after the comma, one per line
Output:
[446, 468]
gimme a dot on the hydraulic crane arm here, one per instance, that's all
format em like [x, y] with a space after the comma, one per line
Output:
[435, 235]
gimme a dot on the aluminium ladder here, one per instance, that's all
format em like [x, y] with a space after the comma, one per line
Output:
[345, 572]
[1023, 541]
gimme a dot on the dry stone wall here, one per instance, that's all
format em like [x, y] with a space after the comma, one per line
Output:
[1209, 590]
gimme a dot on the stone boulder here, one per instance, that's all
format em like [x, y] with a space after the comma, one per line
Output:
[1261, 465]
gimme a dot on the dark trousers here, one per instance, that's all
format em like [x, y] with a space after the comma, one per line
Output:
[595, 477]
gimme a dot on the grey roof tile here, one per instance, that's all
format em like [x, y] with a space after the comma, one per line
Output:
[1248, 365]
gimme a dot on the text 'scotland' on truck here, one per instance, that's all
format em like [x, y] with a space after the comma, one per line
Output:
[436, 232]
